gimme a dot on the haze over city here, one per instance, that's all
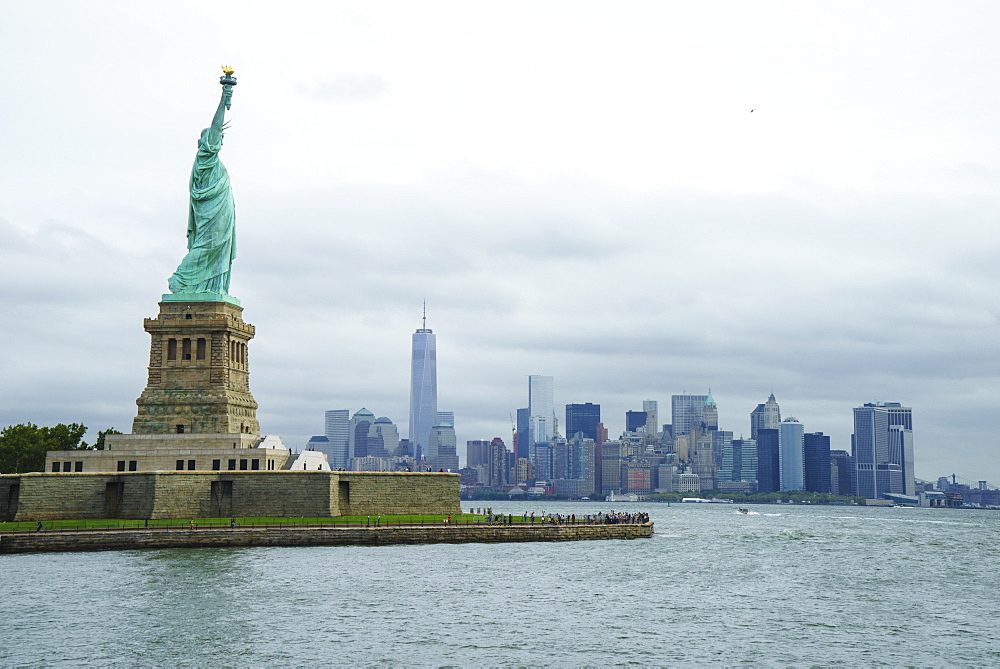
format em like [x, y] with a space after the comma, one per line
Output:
[576, 190]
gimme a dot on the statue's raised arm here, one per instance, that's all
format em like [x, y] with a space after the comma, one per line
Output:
[203, 274]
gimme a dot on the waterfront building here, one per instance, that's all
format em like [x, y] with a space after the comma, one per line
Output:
[686, 482]
[541, 410]
[637, 477]
[423, 389]
[882, 446]
[522, 471]
[790, 454]
[768, 460]
[583, 419]
[816, 462]
[337, 427]
[766, 416]
[739, 461]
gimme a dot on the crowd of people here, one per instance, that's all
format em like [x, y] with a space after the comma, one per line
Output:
[601, 518]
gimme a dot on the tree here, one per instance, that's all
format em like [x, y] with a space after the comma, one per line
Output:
[99, 444]
[23, 446]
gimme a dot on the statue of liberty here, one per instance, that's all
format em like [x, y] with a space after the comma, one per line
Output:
[203, 274]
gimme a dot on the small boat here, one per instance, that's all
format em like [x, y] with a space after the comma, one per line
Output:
[744, 511]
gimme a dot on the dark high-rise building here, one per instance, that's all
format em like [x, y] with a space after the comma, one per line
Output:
[768, 465]
[816, 462]
[523, 438]
[634, 420]
[583, 418]
[841, 473]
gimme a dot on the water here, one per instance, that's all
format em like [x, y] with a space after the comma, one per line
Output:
[783, 586]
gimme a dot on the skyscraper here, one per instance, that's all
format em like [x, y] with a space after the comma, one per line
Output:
[766, 416]
[739, 461]
[383, 438]
[652, 417]
[337, 429]
[883, 449]
[523, 446]
[816, 462]
[710, 413]
[635, 420]
[423, 389]
[768, 460]
[841, 473]
[441, 448]
[361, 422]
[582, 418]
[686, 411]
[541, 410]
[790, 454]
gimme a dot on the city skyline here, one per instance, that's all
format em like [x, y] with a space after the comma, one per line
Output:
[836, 246]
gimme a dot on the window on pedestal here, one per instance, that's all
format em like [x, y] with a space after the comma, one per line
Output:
[186, 352]
[202, 348]
[171, 349]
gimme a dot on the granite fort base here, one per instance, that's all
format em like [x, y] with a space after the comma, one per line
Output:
[172, 495]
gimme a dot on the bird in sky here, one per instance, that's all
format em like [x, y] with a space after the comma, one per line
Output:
[751, 111]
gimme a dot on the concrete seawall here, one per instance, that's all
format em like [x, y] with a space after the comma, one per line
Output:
[110, 540]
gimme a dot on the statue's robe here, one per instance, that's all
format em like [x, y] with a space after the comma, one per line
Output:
[211, 231]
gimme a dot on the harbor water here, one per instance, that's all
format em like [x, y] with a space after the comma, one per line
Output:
[781, 585]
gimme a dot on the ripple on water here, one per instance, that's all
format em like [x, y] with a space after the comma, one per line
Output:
[799, 586]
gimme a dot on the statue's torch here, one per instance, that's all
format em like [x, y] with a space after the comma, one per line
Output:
[228, 81]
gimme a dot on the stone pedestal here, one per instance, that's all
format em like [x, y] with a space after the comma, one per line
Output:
[198, 372]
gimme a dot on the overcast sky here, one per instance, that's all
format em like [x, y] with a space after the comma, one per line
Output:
[639, 199]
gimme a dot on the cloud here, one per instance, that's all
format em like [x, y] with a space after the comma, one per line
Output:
[345, 88]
